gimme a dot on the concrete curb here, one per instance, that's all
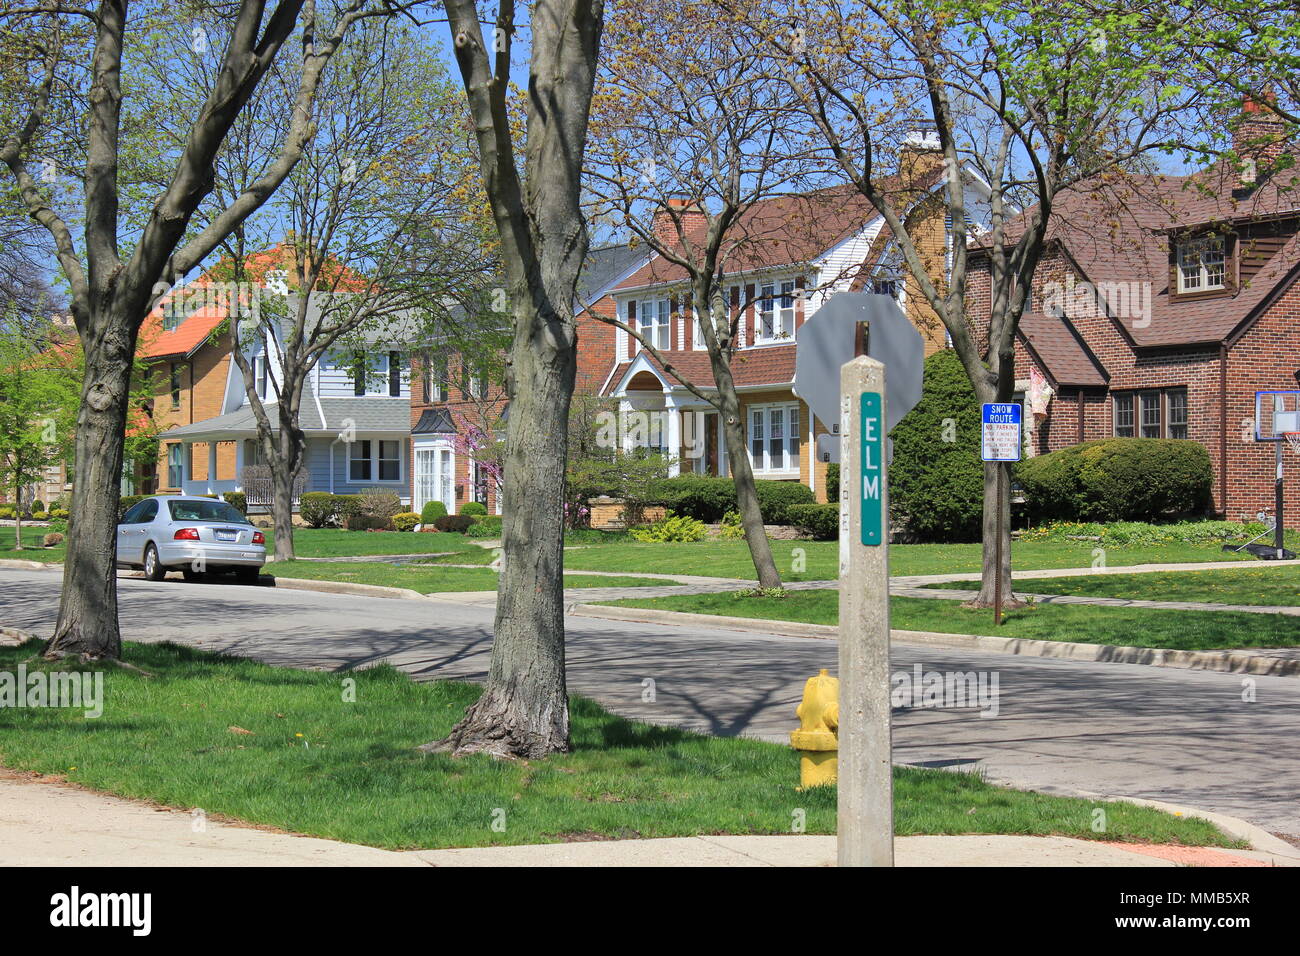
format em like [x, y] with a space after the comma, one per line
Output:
[1235, 662]
[347, 587]
[1259, 838]
[28, 565]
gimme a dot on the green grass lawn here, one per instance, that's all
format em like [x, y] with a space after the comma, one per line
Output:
[32, 548]
[820, 559]
[337, 543]
[1139, 627]
[428, 579]
[1254, 585]
[318, 765]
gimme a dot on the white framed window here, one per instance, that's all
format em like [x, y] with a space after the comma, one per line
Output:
[697, 333]
[1201, 264]
[375, 460]
[175, 468]
[390, 461]
[655, 318]
[775, 312]
[774, 438]
[359, 461]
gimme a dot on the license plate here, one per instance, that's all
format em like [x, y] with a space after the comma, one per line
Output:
[227, 535]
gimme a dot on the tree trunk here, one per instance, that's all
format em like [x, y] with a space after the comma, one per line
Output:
[992, 568]
[87, 626]
[524, 709]
[742, 474]
[282, 510]
[18, 520]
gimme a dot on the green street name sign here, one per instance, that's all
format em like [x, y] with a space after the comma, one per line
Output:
[871, 459]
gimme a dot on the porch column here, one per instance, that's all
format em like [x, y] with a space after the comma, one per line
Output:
[187, 451]
[212, 466]
[239, 464]
[674, 436]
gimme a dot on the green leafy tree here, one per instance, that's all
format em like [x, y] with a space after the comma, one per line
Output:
[117, 237]
[38, 408]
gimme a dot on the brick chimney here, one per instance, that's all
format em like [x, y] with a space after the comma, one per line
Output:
[919, 155]
[686, 212]
[1258, 137]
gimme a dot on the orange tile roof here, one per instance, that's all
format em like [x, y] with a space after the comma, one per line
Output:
[156, 343]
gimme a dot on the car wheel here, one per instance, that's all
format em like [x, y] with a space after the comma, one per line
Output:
[153, 569]
[191, 575]
[246, 575]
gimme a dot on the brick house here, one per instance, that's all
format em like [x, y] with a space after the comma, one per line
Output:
[798, 251]
[1160, 312]
[455, 409]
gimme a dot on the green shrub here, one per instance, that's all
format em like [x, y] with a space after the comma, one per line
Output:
[237, 500]
[731, 527]
[60, 513]
[36, 505]
[488, 526]
[405, 521]
[126, 502]
[708, 499]
[936, 478]
[776, 497]
[348, 505]
[820, 521]
[360, 521]
[833, 481]
[701, 497]
[671, 528]
[1140, 532]
[318, 508]
[457, 524]
[432, 511]
[7, 511]
[1118, 479]
[473, 508]
[39, 515]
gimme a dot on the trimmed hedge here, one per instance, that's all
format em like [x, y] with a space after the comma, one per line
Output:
[708, 499]
[820, 521]
[473, 508]
[126, 502]
[458, 524]
[1118, 479]
[432, 511]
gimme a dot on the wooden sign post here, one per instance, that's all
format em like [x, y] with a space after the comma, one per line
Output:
[866, 793]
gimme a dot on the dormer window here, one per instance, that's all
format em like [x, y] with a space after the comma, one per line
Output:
[1201, 264]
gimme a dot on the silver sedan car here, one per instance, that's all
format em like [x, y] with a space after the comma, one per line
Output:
[192, 535]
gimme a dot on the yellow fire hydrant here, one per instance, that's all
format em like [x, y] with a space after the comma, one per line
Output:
[817, 738]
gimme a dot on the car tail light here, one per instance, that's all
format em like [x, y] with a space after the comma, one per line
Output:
[186, 534]
[259, 538]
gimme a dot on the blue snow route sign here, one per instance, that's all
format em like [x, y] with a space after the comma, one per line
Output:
[1000, 431]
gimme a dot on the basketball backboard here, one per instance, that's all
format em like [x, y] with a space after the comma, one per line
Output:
[1277, 413]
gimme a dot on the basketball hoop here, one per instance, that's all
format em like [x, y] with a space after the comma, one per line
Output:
[1292, 439]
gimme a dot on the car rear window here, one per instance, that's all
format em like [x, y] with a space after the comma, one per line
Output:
[205, 511]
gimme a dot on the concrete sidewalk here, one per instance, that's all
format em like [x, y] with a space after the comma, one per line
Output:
[45, 822]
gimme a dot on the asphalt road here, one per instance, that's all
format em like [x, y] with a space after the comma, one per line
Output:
[1062, 726]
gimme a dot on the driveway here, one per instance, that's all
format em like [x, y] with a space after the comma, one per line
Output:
[1166, 734]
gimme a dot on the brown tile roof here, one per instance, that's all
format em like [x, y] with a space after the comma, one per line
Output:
[1120, 233]
[785, 230]
[752, 367]
[1060, 350]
